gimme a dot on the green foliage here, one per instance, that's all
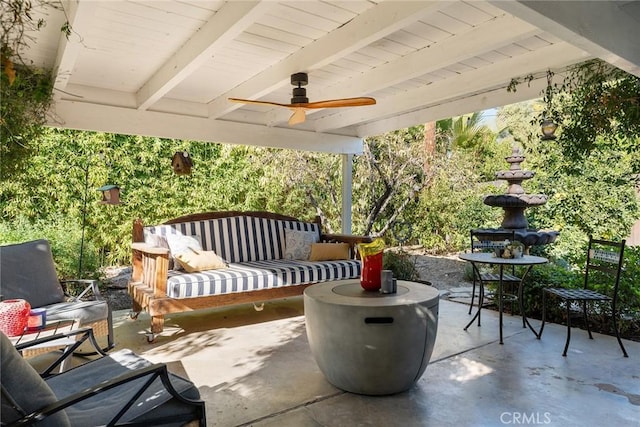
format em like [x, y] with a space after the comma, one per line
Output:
[25, 90]
[388, 178]
[467, 134]
[63, 235]
[597, 107]
[452, 205]
[553, 274]
[630, 285]
[628, 292]
[309, 187]
[569, 248]
[594, 194]
[23, 111]
[224, 178]
[401, 263]
[604, 102]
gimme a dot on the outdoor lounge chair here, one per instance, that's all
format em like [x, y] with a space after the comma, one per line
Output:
[116, 389]
[27, 271]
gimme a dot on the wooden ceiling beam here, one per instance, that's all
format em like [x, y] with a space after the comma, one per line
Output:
[225, 25]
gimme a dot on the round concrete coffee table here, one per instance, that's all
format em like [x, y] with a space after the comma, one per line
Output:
[368, 342]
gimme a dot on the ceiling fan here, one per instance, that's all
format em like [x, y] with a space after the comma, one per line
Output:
[300, 103]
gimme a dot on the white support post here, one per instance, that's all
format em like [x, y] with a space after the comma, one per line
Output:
[347, 187]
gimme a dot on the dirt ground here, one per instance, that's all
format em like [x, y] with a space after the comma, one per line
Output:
[116, 279]
[444, 272]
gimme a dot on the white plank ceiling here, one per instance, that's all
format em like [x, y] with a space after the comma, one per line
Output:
[167, 68]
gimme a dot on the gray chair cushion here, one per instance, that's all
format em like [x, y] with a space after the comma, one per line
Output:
[23, 391]
[27, 272]
[85, 311]
[99, 409]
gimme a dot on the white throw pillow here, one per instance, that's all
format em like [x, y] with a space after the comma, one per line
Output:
[179, 244]
[158, 241]
[298, 243]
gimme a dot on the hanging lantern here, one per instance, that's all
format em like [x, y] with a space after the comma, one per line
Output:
[181, 163]
[548, 129]
[110, 194]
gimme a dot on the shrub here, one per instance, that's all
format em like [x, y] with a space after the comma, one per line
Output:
[401, 263]
[570, 246]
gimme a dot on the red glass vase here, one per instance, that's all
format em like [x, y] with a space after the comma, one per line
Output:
[14, 314]
[371, 272]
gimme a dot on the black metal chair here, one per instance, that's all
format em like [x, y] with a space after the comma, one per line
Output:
[120, 388]
[604, 265]
[481, 240]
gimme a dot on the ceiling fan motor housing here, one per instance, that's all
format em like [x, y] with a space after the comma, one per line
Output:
[299, 79]
[299, 96]
[299, 93]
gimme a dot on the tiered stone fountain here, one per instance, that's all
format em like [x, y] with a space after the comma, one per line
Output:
[515, 201]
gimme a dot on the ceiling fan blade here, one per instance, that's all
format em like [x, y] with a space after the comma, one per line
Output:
[298, 116]
[345, 102]
[252, 101]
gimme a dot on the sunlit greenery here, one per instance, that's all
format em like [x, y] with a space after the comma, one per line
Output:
[26, 90]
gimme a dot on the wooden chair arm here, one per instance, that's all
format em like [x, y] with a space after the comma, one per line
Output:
[147, 249]
[150, 267]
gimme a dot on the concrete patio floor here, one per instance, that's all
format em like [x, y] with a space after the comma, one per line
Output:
[254, 368]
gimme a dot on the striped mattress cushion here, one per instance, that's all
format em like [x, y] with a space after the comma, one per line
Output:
[258, 275]
[239, 238]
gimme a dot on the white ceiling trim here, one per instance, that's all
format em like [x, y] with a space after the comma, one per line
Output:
[225, 25]
[384, 19]
[598, 27]
[103, 118]
[558, 55]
